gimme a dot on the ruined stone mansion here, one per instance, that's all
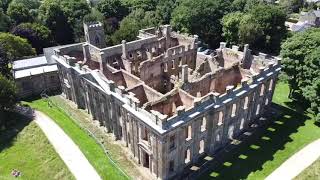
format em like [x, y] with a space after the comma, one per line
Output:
[166, 103]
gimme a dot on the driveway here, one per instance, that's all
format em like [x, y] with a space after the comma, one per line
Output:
[66, 148]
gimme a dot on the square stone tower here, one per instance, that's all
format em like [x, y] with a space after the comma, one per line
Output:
[94, 34]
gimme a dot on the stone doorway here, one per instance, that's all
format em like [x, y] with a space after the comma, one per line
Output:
[146, 160]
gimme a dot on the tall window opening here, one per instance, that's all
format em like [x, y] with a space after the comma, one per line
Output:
[271, 85]
[171, 166]
[220, 118]
[187, 156]
[234, 109]
[188, 132]
[201, 148]
[203, 123]
[262, 90]
[246, 101]
[172, 142]
[258, 109]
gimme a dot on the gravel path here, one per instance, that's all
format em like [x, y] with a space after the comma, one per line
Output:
[67, 149]
[297, 163]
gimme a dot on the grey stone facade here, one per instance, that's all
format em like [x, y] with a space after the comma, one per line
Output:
[168, 104]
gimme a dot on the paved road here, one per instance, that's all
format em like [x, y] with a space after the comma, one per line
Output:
[297, 163]
[67, 149]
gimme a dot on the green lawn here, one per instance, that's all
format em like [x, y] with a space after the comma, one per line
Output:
[25, 147]
[268, 148]
[87, 144]
[311, 173]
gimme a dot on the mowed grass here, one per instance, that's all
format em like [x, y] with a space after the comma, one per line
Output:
[311, 173]
[24, 147]
[267, 149]
[93, 152]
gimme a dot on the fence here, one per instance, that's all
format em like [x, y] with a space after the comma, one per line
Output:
[51, 103]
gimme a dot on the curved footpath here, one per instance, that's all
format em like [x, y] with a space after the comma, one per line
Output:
[297, 163]
[67, 149]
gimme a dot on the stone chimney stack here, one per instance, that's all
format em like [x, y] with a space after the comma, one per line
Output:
[247, 59]
[185, 73]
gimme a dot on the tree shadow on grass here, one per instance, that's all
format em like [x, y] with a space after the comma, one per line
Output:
[17, 123]
[258, 148]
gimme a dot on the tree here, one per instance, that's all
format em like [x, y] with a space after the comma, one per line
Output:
[38, 35]
[164, 11]
[113, 8]
[8, 94]
[230, 27]
[15, 46]
[5, 22]
[130, 25]
[75, 10]
[294, 52]
[291, 6]
[4, 63]
[30, 4]
[249, 30]
[146, 5]
[272, 21]
[201, 17]
[52, 15]
[4, 4]
[19, 13]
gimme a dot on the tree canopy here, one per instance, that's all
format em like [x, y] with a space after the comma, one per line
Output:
[5, 22]
[301, 62]
[201, 17]
[113, 8]
[15, 46]
[38, 35]
[131, 24]
[4, 63]
[8, 93]
[19, 13]
[55, 19]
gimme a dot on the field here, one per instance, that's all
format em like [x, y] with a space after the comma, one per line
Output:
[311, 173]
[24, 147]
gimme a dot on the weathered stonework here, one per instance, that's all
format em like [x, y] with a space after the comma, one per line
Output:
[166, 103]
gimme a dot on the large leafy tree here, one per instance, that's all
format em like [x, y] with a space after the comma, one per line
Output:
[15, 46]
[113, 8]
[38, 35]
[19, 13]
[294, 52]
[301, 62]
[131, 24]
[201, 17]
[52, 15]
[4, 63]
[272, 20]
[5, 21]
[8, 94]
[291, 6]
[164, 11]
[231, 23]
[311, 84]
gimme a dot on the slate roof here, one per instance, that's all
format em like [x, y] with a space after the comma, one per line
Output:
[28, 63]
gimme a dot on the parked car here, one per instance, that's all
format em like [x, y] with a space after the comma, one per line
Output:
[208, 51]
[201, 49]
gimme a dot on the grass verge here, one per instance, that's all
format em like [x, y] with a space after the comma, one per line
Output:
[311, 173]
[25, 147]
[93, 152]
[267, 149]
